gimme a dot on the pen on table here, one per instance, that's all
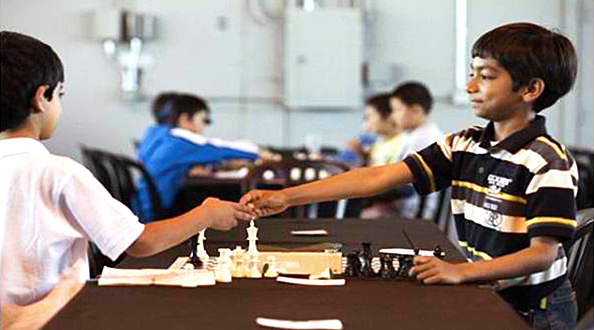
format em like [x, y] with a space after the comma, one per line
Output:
[415, 250]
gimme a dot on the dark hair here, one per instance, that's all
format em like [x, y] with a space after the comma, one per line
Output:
[381, 103]
[412, 92]
[161, 108]
[188, 104]
[528, 51]
[25, 64]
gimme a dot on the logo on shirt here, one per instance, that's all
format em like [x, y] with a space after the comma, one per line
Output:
[497, 183]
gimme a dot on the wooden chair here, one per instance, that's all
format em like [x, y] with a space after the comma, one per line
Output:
[580, 260]
[292, 172]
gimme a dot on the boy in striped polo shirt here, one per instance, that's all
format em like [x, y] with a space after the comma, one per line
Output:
[513, 186]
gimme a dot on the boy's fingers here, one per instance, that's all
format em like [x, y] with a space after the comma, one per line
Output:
[419, 260]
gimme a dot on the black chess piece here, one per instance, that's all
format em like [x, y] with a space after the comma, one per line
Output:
[194, 259]
[365, 257]
[405, 263]
[438, 252]
[353, 265]
[387, 270]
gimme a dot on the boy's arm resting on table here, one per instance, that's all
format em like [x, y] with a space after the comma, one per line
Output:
[213, 213]
[356, 183]
[537, 257]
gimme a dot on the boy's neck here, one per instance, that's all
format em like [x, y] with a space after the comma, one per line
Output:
[505, 128]
[26, 131]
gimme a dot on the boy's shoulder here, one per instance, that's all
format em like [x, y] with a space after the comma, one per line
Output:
[33, 156]
[550, 150]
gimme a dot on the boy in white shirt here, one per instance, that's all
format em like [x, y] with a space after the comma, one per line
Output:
[52, 206]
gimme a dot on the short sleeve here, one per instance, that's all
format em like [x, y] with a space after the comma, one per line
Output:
[101, 218]
[550, 200]
[432, 166]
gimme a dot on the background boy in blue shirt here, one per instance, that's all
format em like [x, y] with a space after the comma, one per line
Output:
[173, 147]
[513, 186]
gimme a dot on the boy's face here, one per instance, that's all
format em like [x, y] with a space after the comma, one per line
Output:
[375, 123]
[490, 90]
[404, 115]
[199, 122]
[53, 110]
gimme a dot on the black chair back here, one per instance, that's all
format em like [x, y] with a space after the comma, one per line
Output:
[580, 260]
[585, 163]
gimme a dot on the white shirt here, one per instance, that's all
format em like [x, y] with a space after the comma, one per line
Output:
[51, 206]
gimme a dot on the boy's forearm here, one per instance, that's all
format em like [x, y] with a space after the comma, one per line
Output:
[538, 257]
[357, 183]
[161, 235]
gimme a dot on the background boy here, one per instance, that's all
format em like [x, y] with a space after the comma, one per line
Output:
[411, 103]
[51, 206]
[513, 186]
[176, 147]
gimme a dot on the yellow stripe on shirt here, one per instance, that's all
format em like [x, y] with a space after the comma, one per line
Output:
[563, 221]
[485, 190]
[558, 150]
[427, 170]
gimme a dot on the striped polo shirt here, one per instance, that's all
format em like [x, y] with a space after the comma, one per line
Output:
[503, 194]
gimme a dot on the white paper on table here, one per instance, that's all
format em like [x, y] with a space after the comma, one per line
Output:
[333, 324]
[305, 281]
[409, 252]
[148, 276]
[313, 232]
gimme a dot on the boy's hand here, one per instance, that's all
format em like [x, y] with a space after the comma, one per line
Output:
[431, 270]
[223, 215]
[265, 202]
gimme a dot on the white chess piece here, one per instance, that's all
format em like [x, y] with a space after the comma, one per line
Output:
[201, 251]
[238, 268]
[252, 231]
[253, 269]
[223, 272]
[271, 271]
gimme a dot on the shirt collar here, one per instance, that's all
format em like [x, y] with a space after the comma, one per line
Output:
[517, 140]
[10, 147]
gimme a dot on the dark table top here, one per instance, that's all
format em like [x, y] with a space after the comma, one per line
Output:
[361, 304]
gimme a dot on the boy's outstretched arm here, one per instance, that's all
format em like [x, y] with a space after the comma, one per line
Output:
[361, 182]
[537, 257]
[213, 213]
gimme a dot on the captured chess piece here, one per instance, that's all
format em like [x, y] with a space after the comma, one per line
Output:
[353, 265]
[223, 271]
[405, 263]
[238, 268]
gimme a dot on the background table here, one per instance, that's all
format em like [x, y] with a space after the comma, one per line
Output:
[361, 304]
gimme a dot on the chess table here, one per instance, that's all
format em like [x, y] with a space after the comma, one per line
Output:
[363, 303]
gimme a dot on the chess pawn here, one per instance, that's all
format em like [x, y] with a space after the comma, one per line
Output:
[201, 251]
[238, 268]
[353, 265]
[254, 262]
[223, 273]
[271, 271]
[193, 259]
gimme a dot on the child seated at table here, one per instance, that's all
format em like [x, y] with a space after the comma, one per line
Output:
[411, 103]
[52, 206]
[513, 185]
[378, 120]
[175, 146]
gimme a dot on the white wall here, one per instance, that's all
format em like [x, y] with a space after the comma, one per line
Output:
[244, 59]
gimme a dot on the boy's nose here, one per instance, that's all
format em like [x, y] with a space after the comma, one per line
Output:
[471, 86]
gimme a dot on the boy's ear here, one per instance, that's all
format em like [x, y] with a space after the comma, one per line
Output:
[38, 99]
[533, 90]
